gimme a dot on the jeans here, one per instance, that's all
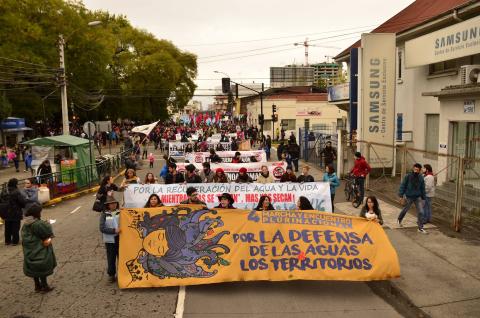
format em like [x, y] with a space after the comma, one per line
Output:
[427, 210]
[112, 255]
[418, 205]
[361, 187]
[12, 229]
[295, 164]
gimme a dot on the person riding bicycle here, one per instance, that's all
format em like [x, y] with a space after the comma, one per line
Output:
[359, 171]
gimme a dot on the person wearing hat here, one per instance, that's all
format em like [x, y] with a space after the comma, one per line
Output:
[243, 177]
[226, 201]
[191, 176]
[192, 195]
[359, 171]
[110, 228]
[38, 257]
[220, 176]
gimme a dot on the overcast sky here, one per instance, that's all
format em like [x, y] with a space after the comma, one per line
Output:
[207, 28]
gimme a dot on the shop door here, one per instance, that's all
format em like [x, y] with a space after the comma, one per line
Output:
[465, 142]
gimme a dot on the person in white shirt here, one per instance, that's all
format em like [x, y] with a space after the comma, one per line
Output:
[429, 192]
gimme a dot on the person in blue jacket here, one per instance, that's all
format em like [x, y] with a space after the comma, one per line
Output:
[330, 177]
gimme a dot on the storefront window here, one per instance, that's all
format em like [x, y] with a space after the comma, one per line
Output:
[288, 124]
[442, 67]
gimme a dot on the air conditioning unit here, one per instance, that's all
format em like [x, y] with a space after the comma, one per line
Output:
[469, 74]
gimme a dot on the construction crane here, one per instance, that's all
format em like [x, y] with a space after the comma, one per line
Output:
[307, 44]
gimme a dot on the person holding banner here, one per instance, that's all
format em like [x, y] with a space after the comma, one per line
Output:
[110, 228]
[173, 176]
[330, 177]
[303, 204]
[265, 176]
[150, 179]
[191, 176]
[305, 177]
[226, 201]
[130, 178]
[214, 158]
[288, 176]
[371, 210]
[192, 195]
[220, 176]
[153, 201]
[264, 204]
[207, 174]
[236, 158]
[243, 177]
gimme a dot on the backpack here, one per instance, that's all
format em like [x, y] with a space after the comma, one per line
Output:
[4, 203]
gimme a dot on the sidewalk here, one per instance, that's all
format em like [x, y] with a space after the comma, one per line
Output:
[440, 275]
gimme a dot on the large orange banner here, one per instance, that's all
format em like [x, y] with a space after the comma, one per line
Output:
[191, 245]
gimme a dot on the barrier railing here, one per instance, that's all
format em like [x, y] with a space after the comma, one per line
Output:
[457, 190]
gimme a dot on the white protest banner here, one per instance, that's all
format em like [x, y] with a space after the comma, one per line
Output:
[246, 195]
[176, 149]
[144, 129]
[276, 169]
[227, 156]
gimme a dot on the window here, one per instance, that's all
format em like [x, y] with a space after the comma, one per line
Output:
[442, 67]
[399, 64]
[432, 124]
[288, 124]
[267, 125]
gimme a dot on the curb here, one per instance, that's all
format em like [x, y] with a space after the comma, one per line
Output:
[77, 194]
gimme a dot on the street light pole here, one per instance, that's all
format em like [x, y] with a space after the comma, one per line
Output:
[63, 86]
[261, 112]
[63, 78]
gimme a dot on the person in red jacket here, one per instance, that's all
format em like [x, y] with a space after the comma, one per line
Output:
[360, 170]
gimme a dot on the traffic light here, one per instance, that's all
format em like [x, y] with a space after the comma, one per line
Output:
[225, 85]
[260, 119]
[274, 108]
[274, 118]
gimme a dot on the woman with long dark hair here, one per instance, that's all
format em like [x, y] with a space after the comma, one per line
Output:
[371, 210]
[106, 189]
[153, 201]
[150, 179]
[304, 204]
[264, 204]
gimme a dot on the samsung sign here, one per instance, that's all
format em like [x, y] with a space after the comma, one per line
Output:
[459, 40]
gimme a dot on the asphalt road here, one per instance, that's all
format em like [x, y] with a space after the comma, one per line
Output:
[82, 288]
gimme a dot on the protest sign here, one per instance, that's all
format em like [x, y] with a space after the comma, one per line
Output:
[227, 156]
[246, 195]
[276, 169]
[176, 149]
[189, 245]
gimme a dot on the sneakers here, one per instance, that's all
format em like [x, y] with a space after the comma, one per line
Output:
[422, 231]
[399, 223]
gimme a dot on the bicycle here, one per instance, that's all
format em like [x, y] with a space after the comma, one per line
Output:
[352, 192]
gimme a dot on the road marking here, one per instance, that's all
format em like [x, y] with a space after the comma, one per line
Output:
[180, 302]
[76, 209]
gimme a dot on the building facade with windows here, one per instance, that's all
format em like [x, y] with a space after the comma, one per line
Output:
[291, 75]
[327, 74]
[296, 107]
[437, 87]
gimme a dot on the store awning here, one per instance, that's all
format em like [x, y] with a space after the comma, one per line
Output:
[455, 91]
[59, 141]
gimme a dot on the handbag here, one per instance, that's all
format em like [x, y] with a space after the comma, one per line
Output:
[97, 205]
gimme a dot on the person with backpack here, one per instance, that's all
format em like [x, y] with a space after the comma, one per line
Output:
[11, 208]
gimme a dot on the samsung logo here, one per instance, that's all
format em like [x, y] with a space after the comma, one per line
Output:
[456, 38]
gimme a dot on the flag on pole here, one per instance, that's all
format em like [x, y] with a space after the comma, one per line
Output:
[144, 129]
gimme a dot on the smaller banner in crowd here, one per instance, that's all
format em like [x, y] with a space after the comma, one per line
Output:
[176, 149]
[276, 169]
[190, 245]
[227, 156]
[246, 195]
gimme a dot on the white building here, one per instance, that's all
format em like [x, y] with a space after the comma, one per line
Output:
[437, 94]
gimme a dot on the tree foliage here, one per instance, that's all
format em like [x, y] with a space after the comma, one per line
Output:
[113, 70]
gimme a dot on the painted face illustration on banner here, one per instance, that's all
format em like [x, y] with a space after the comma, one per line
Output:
[182, 244]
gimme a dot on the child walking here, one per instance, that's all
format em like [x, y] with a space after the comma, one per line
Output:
[38, 256]
[151, 158]
[109, 226]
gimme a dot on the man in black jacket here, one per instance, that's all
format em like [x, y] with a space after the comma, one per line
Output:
[305, 176]
[173, 176]
[191, 176]
[14, 212]
[280, 149]
[294, 151]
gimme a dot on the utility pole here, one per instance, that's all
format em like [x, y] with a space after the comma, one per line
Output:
[261, 112]
[63, 86]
